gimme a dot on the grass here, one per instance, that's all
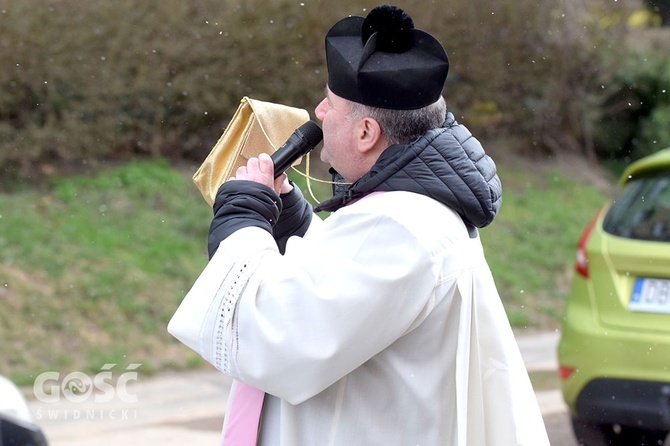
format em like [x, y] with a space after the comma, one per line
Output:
[92, 267]
[532, 243]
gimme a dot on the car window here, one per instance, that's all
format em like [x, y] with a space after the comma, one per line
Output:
[642, 211]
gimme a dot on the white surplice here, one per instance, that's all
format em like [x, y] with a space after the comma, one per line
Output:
[381, 326]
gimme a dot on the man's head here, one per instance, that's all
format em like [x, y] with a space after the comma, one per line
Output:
[354, 135]
[403, 126]
[385, 82]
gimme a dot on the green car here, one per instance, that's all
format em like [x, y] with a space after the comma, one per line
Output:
[614, 351]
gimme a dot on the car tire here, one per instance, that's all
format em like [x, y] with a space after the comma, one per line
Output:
[589, 433]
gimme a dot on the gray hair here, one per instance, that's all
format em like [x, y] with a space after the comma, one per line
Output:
[403, 126]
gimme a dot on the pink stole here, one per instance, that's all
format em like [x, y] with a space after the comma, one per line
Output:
[244, 416]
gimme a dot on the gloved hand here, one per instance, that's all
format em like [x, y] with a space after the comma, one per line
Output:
[240, 204]
[294, 219]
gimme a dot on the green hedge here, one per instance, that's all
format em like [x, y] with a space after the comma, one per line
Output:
[636, 111]
[88, 81]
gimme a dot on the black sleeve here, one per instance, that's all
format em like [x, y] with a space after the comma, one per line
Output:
[295, 217]
[240, 204]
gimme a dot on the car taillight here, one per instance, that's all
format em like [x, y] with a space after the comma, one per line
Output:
[582, 261]
[565, 372]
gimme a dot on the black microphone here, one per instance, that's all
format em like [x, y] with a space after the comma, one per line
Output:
[304, 139]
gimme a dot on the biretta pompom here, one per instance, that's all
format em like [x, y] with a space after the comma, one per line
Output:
[383, 61]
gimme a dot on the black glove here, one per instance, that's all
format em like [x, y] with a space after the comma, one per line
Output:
[240, 204]
[295, 217]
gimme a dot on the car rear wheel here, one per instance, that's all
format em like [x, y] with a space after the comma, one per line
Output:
[589, 433]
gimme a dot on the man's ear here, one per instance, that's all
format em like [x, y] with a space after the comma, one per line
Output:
[369, 134]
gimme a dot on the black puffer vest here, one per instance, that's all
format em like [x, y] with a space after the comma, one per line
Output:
[447, 164]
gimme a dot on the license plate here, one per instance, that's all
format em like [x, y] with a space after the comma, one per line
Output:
[651, 295]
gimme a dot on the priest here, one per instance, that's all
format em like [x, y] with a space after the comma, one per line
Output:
[380, 324]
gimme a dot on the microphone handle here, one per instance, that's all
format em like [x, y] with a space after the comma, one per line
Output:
[287, 154]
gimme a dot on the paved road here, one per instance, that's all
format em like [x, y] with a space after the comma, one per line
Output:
[188, 408]
[539, 354]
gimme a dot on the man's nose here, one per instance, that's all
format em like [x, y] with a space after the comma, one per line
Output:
[319, 111]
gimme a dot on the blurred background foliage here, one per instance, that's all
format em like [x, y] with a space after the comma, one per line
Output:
[85, 82]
